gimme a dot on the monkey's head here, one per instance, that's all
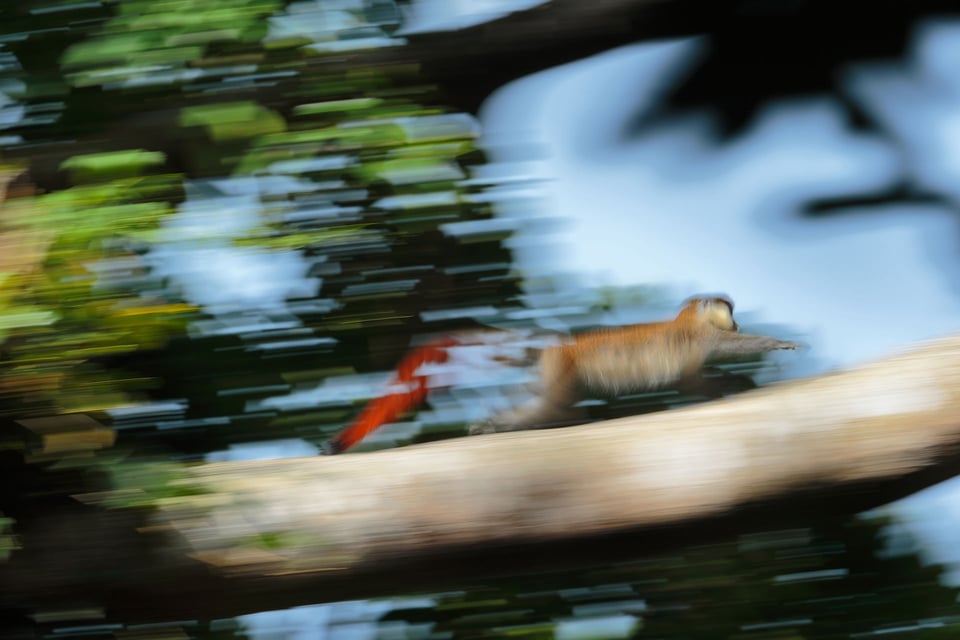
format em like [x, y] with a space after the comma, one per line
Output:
[714, 311]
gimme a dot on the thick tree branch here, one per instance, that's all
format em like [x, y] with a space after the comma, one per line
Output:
[798, 41]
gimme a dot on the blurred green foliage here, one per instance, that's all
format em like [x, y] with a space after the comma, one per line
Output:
[151, 112]
[146, 483]
[78, 315]
[233, 121]
[8, 541]
[167, 33]
[101, 167]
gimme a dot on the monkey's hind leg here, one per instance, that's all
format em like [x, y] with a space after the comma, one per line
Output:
[536, 414]
[553, 407]
[712, 382]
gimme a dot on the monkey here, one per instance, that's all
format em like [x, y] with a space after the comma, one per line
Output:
[634, 358]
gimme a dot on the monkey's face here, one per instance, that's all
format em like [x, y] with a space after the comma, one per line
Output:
[719, 313]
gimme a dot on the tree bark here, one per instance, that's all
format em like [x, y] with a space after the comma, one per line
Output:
[431, 516]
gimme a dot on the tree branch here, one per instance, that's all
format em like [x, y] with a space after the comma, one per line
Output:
[472, 62]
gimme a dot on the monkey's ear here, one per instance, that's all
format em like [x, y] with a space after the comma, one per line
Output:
[711, 298]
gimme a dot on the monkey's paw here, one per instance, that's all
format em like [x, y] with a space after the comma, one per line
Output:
[490, 425]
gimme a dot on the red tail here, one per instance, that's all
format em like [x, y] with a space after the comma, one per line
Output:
[387, 408]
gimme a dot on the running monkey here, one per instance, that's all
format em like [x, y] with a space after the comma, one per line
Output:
[634, 358]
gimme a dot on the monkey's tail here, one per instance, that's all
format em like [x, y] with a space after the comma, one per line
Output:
[385, 409]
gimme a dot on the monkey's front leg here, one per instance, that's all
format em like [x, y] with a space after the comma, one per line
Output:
[735, 344]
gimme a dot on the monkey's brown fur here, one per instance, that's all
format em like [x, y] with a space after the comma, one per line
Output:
[638, 357]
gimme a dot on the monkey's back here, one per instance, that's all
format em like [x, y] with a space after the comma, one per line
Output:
[636, 358]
